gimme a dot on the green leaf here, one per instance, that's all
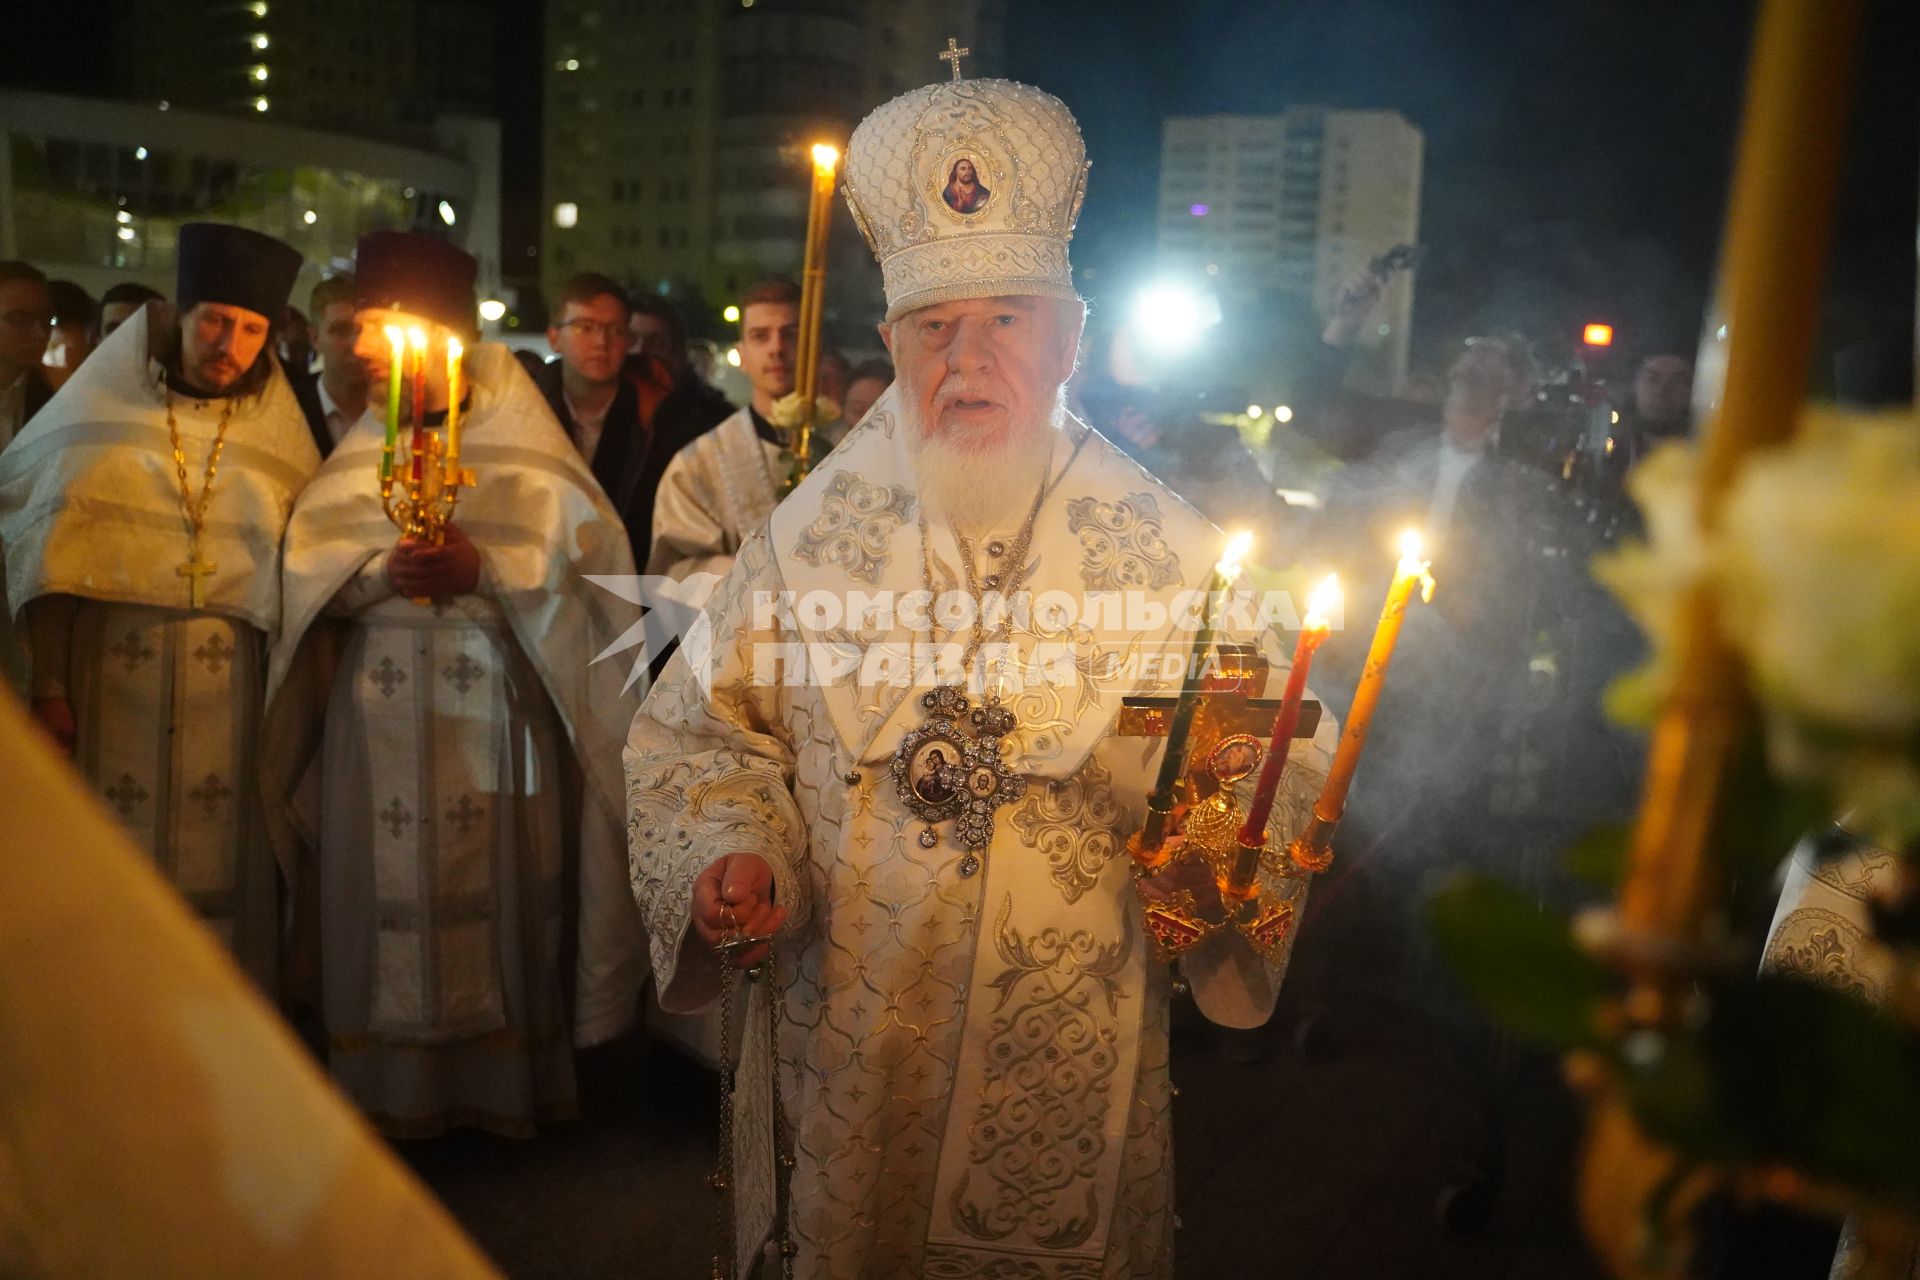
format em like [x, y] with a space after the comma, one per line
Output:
[1784, 1070]
[1519, 962]
[1600, 856]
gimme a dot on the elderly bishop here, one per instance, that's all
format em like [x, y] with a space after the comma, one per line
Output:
[141, 512]
[915, 801]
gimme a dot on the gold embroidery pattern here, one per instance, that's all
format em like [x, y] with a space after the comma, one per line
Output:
[1824, 948]
[1072, 824]
[1036, 1139]
[1124, 543]
[856, 522]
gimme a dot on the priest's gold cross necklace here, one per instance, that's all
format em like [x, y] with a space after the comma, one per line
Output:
[950, 767]
[194, 510]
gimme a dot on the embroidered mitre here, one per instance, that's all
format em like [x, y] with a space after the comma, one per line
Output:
[968, 189]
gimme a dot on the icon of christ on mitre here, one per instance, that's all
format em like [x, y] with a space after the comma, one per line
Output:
[971, 1055]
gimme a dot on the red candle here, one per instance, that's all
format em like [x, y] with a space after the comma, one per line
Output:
[1313, 632]
[418, 338]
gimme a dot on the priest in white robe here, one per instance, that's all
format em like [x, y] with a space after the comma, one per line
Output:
[972, 1048]
[1823, 931]
[463, 798]
[724, 484]
[141, 512]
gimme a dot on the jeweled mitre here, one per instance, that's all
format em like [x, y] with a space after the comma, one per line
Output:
[968, 189]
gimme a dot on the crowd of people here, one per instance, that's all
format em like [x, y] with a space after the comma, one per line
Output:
[386, 770]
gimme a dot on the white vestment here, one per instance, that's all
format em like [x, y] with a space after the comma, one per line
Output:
[1823, 932]
[166, 698]
[975, 1069]
[467, 745]
[714, 492]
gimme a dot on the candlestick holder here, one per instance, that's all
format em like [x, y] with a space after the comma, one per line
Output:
[424, 505]
[1260, 888]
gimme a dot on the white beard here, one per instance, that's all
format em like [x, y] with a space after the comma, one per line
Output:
[985, 491]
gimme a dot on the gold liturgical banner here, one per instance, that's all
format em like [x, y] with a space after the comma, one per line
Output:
[156, 1118]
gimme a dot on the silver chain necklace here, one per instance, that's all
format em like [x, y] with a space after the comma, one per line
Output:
[950, 767]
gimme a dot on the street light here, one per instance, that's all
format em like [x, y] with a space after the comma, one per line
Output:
[1171, 318]
[310, 217]
[259, 104]
[491, 309]
[731, 315]
[446, 213]
[566, 214]
[1283, 414]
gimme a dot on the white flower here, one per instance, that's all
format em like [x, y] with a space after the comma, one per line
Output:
[1815, 565]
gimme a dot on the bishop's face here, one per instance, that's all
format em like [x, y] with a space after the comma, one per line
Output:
[219, 343]
[980, 372]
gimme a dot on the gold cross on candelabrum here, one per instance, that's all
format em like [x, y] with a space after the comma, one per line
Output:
[953, 55]
[1225, 745]
[195, 571]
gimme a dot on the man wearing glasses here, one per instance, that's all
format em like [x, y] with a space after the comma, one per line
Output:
[609, 402]
[26, 323]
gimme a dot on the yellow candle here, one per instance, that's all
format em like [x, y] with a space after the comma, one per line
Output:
[813, 278]
[454, 351]
[1773, 268]
[1411, 572]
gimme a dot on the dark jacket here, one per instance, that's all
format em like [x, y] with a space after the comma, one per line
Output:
[306, 391]
[649, 421]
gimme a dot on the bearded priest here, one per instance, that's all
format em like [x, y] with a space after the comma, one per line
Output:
[469, 746]
[971, 1044]
[141, 512]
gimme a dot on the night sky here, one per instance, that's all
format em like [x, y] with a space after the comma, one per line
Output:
[1577, 150]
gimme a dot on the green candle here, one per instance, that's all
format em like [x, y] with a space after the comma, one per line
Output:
[1160, 801]
[398, 340]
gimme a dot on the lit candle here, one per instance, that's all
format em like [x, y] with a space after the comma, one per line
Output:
[1313, 633]
[418, 339]
[1160, 801]
[397, 341]
[454, 351]
[813, 292]
[1411, 572]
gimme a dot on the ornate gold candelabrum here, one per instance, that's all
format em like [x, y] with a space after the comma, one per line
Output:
[1259, 887]
[423, 506]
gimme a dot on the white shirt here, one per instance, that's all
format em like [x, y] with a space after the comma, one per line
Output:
[337, 420]
[587, 427]
[1455, 463]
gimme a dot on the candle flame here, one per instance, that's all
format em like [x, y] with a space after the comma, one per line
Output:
[1237, 547]
[1411, 545]
[418, 337]
[826, 157]
[396, 338]
[1324, 600]
[454, 349]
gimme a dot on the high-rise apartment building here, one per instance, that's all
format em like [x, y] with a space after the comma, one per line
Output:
[677, 132]
[369, 67]
[1293, 204]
